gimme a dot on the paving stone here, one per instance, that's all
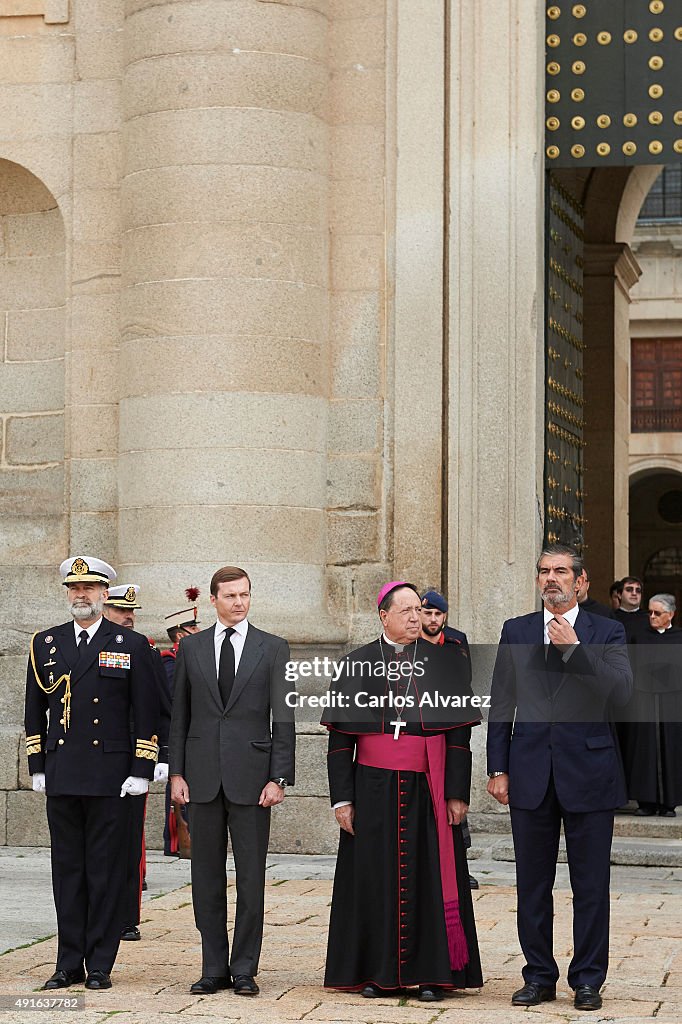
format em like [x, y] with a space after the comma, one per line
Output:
[152, 978]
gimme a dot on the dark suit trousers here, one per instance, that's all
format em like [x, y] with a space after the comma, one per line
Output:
[588, 847]
[89, 837]
[249, 828]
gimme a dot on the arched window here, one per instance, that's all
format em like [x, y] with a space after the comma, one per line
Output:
[664, 201]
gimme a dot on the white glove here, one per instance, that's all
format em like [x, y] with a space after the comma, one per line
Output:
[161, 772]
[134, 786]
[38, 782]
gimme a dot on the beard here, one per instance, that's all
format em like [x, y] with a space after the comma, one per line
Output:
[432, 629]
[84, 609]
[554, 598]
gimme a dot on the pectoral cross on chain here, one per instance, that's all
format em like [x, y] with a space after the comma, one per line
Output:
[399, 724]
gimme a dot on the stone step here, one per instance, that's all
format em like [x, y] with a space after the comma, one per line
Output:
[626, 825]
[629, 850]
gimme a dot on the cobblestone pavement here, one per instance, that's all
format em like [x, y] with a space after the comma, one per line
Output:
[152, 977]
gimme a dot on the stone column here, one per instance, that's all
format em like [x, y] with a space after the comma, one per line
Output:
[495, 345]
[223, 414]
[610, 271]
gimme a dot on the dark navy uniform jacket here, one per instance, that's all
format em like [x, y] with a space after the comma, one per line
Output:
[83, 744]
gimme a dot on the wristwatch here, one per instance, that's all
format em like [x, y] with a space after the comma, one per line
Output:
[280, 782]
[495, 775]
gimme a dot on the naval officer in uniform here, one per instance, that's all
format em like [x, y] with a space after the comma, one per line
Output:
[120, 608]
[86, 680]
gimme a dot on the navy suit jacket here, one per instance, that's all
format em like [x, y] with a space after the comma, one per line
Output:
[543, 722]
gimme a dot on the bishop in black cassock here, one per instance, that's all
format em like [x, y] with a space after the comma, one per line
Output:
[399, 769]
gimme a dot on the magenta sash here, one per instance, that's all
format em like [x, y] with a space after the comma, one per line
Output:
[426, 754]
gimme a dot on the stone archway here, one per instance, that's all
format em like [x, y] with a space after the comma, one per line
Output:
[611, 198]
[32, 314]
[656, 530]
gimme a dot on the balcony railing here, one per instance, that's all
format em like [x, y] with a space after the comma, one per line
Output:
[656, 421]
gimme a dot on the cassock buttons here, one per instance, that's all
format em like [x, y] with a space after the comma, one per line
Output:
[95, 700]
[61, 743]
[95, 721]
[95, 743]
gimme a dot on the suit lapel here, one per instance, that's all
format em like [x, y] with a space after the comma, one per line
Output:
[251, 655]
[98, 643]
[584, 627]
[66, 646]
[538, 662]
[206, 659]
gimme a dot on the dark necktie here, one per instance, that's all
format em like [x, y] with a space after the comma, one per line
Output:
[226, 669]
[555, 666]
[83, 640]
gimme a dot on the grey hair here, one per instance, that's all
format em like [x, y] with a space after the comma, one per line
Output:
[667, 600]
[562, 549]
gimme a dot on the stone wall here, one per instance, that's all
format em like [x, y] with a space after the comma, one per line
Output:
[265, 298]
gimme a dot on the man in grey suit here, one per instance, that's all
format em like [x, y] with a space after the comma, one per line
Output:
[231, 754]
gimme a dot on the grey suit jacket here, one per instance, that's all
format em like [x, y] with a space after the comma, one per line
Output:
[246, 743]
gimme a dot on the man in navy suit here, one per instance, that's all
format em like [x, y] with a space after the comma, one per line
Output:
[557, 671]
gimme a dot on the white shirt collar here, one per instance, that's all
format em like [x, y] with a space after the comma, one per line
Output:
[241, 627]
[571, 615]
[90, 630]
[394, 643]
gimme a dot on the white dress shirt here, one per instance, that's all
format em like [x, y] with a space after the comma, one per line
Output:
[237, 639]
[90, 630]
[571, 615]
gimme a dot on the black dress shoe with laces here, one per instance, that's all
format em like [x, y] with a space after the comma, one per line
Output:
[430, 993]
[532, 994]
[63, 979]
[587, 998]
[208, 985]
[244, 985]
[98, 980]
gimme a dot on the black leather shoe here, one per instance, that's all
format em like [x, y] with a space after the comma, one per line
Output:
[131, 933]
[473, 882]
[244, 985]
[532, 994]
[97, 980]
[587, 998]
[208, 986]
[430, 993]
[62, 979]
[371, 992]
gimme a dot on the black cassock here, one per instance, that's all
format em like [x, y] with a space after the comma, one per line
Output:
[388, 921]
[651, 739]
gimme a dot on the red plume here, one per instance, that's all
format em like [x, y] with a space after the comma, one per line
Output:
[192, 593]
